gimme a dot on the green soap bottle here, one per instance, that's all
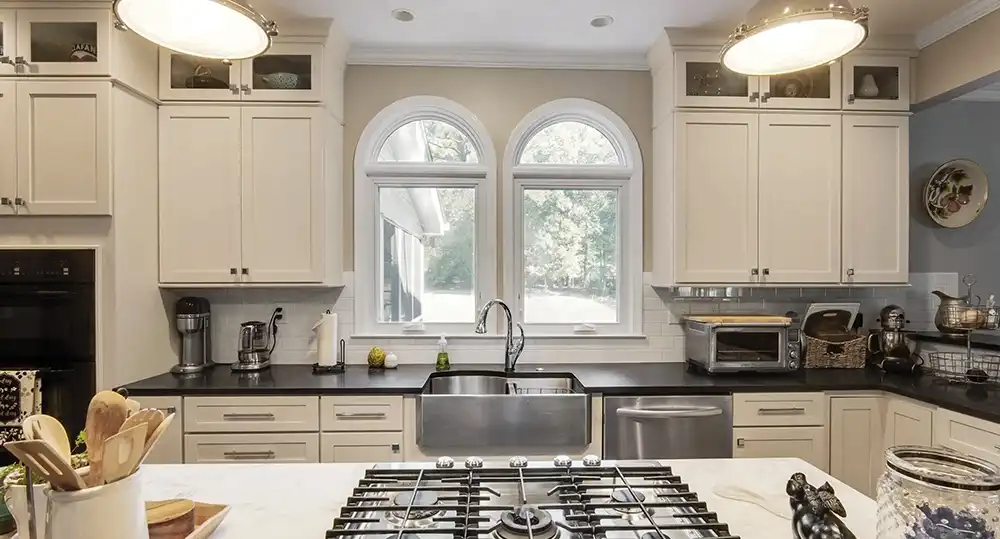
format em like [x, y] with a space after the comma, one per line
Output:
[443, 363]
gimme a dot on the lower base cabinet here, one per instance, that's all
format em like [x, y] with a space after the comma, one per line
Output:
[856, 454]
[969, 435]
[169, 449]
[908, 423]
[361, 447]
[807, 443]
[247, 448]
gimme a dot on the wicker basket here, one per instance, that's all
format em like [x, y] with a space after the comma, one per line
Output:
[847, 352]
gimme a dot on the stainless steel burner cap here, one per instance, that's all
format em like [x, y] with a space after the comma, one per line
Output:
[519, 462]
[445, 462]
[591, 460]
[562, 461]
[473, 462]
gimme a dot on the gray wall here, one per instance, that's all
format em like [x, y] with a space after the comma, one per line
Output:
[952, 130]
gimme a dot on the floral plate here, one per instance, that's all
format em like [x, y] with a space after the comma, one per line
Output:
[956, 193]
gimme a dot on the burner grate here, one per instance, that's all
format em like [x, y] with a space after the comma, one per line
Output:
[595, 502]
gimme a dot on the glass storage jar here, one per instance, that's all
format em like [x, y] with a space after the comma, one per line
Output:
[937, 493]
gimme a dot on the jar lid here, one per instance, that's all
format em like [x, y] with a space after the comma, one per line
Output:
[943, 467]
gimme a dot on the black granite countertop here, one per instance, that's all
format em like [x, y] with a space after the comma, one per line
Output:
[986, 341]
[608, 378]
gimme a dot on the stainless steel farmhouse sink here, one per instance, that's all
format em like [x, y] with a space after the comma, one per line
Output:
[485, 413]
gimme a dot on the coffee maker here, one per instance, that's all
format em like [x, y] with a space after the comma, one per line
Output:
[256, 342]
[193, 321]
[891, 348]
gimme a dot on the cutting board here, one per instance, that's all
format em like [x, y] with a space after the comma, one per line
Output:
[740, 319]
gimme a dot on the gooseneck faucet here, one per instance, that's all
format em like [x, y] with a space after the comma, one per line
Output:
[513, 347]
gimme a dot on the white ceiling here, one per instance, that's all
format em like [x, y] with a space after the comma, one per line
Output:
[561, 25]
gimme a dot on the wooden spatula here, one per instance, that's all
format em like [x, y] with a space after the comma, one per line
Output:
[152, 438]
[47, 428]
[105, 416]
[122, 453]
[45, 461]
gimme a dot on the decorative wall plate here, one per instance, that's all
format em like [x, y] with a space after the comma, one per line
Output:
[956, 193]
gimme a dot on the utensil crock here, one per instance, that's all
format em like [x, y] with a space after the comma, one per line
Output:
[112, 511]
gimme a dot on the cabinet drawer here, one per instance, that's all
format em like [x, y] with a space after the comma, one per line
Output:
[779, 409]
[361, 447]
[360, 412]
[966, 434]
[236, 448]
[251, 414]
[807, 443]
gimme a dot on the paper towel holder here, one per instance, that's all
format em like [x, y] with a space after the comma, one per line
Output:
[336, 368]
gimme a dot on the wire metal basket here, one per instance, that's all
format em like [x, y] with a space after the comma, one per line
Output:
[970, 317]
[964, 367]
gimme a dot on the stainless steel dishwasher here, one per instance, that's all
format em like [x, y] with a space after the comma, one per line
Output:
[685, 427]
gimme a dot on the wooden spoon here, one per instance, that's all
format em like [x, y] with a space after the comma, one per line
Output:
[105, 416]
[45, 461]
[142, 417]
[122, 453]
[152, 438]
[49, 429]
[133, 406]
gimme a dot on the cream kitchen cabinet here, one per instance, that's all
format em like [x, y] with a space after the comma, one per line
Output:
[286, 447]
[288, 71]
[8, 41]
[242, 195]
[856, 441]
[876, 82]
[55, 140]
[758, 198]
[908, 423]
[976, 437]
[807, 443]
[170, 447]
[53, 41]
[876, 199]
[361, 447]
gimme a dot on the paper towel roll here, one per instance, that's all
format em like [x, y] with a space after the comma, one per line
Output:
[326, 339]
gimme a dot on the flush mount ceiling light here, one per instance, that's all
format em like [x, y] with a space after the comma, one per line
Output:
[602, 21]
[784, 36]
[402, 15]
[220, 29]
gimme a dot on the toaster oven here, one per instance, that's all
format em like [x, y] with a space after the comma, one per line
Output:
[718, 344]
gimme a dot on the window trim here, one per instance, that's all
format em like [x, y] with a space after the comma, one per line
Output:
[626, 177]
[370, 174]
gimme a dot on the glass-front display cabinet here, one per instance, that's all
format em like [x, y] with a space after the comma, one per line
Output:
[7, 42]
[61, 42]
[876, 82]
[816, 89]
[187, 78]
[702, 81]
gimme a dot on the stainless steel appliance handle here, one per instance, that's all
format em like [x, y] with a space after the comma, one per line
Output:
[361, 415]
[248, 455]
[670, 413]
[781, 411]
[248, 417]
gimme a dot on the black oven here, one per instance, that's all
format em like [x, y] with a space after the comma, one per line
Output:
[48, 324]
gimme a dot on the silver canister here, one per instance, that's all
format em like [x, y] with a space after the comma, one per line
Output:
[937, 493]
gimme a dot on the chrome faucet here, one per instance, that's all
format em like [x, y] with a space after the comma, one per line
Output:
[513, 347]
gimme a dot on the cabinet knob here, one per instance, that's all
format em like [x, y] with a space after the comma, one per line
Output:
[245, 271]
[234, 89]
[850, 272]
[245, 88]
[740, 442]
[753, 271]
[767, 271]
[765, 97]
[6, 60]
[754, 96]
[850, 99]
[4, 201]
[232, 271]
[18, 201]
[395, 448]
[19, 60]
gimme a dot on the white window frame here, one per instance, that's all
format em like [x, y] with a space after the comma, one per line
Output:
[626, 177]
[370, 175]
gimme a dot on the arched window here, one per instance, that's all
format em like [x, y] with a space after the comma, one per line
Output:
[425, 219]
[572, 189]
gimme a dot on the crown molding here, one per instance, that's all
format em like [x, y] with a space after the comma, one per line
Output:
[986, 93]
[436, 56]
[955, 21]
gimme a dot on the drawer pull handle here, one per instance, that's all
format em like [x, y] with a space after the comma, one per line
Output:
[360, 415]
[168, 410]
[395, 448]
[248, 417]
[740, 442]
[249, 455]
[781, 411]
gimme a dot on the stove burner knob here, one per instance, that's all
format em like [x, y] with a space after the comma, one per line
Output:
[473, 463]
[519, 462]
[562, 461]
[591, 460]
[445, 462]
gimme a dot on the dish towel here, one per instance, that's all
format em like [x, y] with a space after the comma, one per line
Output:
[20, 396]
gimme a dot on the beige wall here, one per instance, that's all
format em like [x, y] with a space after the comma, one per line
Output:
[959, 59]
[500, 98]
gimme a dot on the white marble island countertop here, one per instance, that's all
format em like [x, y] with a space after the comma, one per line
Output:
[271, 501]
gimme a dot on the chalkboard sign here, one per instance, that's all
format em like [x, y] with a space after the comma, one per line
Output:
[10, 398]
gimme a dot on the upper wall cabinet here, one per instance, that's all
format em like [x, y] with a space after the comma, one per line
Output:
[876, 82]
[287, 72]
[56, 42]
[702, 81]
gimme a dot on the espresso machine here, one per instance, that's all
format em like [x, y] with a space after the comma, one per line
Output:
[256, 342]
[193, 321]
[891, 349]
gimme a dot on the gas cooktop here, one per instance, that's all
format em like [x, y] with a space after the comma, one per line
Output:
[586, 499]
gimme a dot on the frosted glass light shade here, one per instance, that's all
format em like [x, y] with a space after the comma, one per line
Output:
[792, 35]
[220, 29]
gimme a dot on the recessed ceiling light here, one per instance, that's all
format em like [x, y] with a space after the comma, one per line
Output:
[602, 21]
[403, 15]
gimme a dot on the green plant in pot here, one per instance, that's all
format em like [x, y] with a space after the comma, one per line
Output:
[12, 484]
